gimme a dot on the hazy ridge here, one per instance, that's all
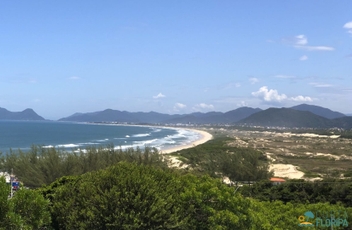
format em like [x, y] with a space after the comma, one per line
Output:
[303, 115]
[27, 114]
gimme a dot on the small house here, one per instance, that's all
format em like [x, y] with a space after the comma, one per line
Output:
[277, 180]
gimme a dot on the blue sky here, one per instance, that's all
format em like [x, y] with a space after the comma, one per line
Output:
[174, 56]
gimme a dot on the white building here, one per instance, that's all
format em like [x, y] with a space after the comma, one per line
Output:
[6, 175]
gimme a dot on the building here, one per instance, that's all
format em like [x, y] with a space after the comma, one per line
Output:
[277, 180]
[6, 176]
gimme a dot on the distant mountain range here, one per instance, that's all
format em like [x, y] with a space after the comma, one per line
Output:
[110, 115]
[301, 116]
[27, 114]
[288, 117]
[320, 111]
[307, 116]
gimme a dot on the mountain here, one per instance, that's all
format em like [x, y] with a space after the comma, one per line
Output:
[321, 111]
[217, 117]
[154, 117]
[287, 117]
[27, 114]
[343, 122]
[240, 113]
[301, 116]
[110, 115]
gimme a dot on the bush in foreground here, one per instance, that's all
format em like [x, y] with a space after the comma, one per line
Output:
[135, 196]
[131, 196]
[26, 210]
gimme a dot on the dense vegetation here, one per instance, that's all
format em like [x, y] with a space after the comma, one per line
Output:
[44, 165]
[106, 188]
[334, 191]
[28, 209]
[217, 158]
[131, 196]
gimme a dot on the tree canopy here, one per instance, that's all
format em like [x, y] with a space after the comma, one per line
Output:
[131, 196]
[41, 166]
[28, 209]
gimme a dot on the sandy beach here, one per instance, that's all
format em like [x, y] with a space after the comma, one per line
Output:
[205, 136]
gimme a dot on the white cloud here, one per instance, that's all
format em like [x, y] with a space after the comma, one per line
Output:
[253, 80]
[301, 98]
[303, 58]
[272, 95]
[160, 95]
[316, 48]
[301, 41]
[179, 106]
[348, 26]
[320, 85]
[204, 106]
[242, 104]
[269, 95]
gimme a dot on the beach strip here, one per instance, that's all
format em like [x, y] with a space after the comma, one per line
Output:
[204, 137]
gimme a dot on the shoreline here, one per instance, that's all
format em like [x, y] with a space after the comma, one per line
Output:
[204, 137]
[193, 137]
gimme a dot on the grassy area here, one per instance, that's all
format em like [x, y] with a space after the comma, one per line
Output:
[219, 158]
[315, 152]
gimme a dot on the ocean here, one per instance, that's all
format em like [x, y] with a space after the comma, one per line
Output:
[22, 135]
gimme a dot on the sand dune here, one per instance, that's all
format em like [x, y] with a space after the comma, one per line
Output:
[286, 170]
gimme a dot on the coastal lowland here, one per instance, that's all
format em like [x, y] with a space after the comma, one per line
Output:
[252, 174]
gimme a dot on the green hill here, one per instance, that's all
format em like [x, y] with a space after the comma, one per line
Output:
[317, 110]
[27, 114]
[284, 117]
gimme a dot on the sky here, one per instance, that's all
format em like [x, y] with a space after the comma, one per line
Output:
[175, 57]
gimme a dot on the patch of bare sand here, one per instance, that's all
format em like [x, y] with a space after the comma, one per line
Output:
[268, 155]
[286, 170]
[306, 135]
[341, 157]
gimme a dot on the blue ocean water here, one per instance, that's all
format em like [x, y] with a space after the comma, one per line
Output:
[71, 136]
